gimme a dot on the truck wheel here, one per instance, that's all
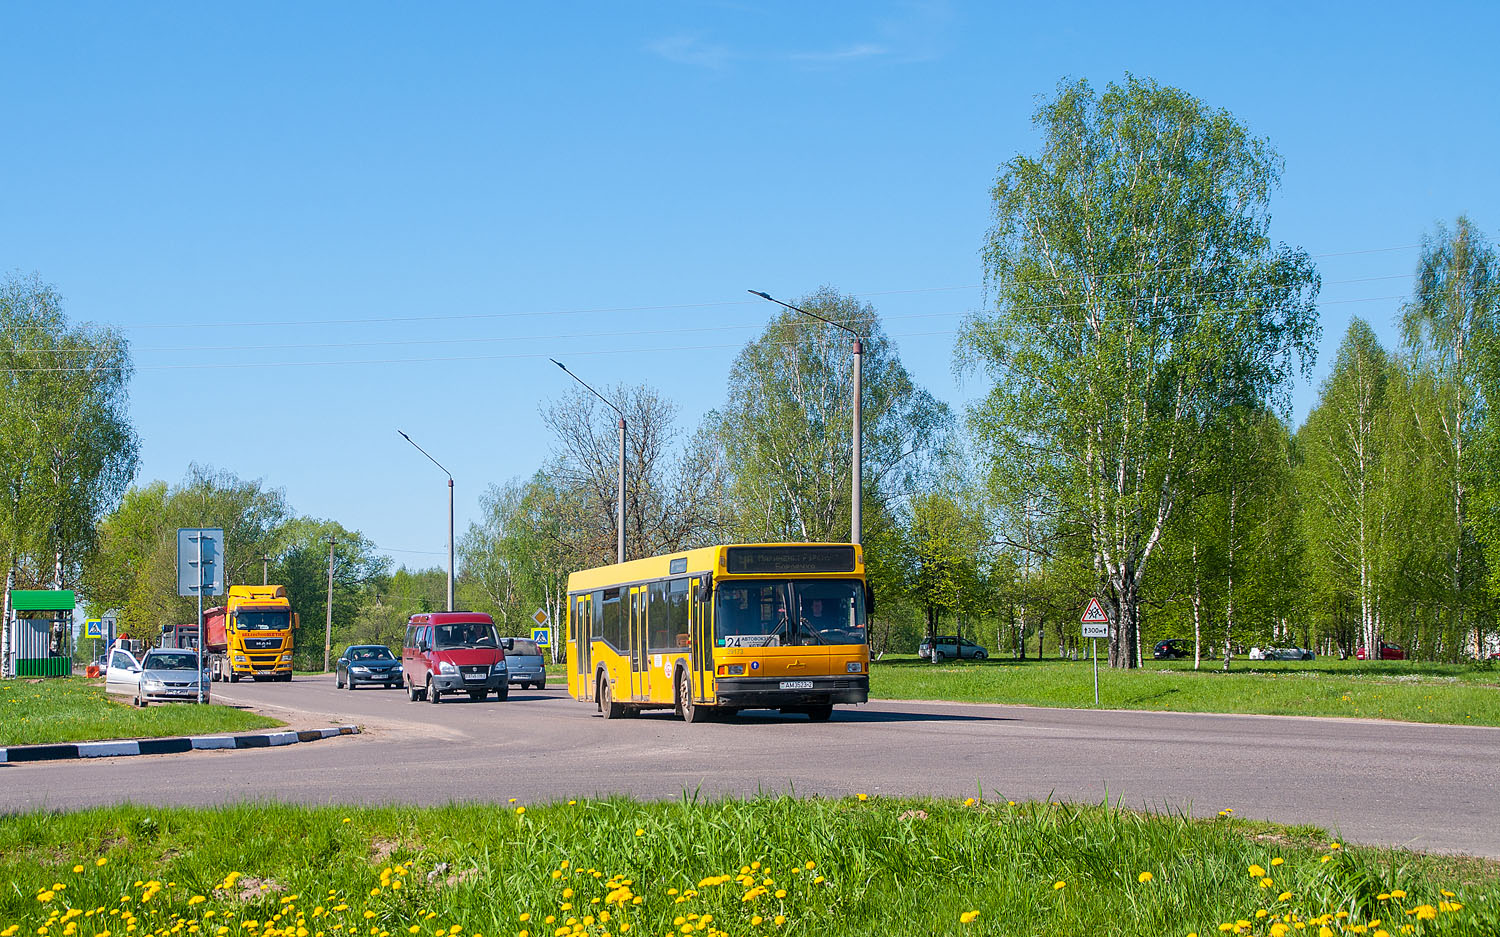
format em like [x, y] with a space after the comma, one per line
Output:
[434, 695]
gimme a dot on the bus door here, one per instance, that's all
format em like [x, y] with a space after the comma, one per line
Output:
[638, 659]
[582, 622]
[702, 631]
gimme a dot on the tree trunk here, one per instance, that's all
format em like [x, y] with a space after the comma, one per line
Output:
[1197, 611]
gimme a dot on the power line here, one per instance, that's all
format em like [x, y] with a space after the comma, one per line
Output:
[608, 351]
[282, 346]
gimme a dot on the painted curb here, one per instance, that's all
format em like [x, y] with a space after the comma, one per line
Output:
[18, 754]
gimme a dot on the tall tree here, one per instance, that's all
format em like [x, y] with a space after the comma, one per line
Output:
[1341, 441]
[1452, 321]
[1137, 294]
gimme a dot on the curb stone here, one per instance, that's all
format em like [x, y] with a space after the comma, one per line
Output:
[109, 749]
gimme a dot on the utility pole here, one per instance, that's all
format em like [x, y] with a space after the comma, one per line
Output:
[450, 512]
[265, 570]
[857, 469]
[328, 628]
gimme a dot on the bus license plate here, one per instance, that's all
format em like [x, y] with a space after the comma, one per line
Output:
[796, 684]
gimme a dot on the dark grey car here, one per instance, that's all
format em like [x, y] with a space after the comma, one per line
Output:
[367, 663]
[525, 661]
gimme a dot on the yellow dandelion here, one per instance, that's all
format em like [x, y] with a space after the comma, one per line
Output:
[345, 820]
[100, 861]
[1277, 861]
[640, 832]
[1144, 877]
[1058, 886]
[968, 917]
[77, 869]
[520, 810]
[863, 796]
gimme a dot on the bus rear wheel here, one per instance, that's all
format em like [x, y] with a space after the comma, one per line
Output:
[687, 708]
[820, 713]
[607, 704]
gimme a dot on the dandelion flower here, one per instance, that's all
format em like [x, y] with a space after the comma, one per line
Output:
[863, 796]
[77, 869]
[1277, 861]
[1144, 877]
[100, 861]
[1059, 885]
[968, 917]
[1257, 872]
[520, 810]
[345, 820]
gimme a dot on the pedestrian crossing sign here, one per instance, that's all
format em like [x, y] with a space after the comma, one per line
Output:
[542, 636]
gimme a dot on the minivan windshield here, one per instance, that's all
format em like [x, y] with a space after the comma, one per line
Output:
[465, 634]
[262, 621]
[789, 612]
[170, 660]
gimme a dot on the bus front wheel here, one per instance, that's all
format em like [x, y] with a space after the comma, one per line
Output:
[607, 704]
[687, 708]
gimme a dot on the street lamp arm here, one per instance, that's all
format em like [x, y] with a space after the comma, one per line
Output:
[429, 455]
[837, 325]
[587, 387]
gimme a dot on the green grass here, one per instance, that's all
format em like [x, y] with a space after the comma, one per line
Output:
[1466, 694]
[847, 868]
[71, 709]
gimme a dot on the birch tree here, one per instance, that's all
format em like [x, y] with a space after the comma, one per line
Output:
[1136, 294]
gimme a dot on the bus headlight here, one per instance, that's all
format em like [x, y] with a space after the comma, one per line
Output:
[854, 666]
[286, 658]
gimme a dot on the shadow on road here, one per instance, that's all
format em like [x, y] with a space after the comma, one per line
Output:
[839, 715]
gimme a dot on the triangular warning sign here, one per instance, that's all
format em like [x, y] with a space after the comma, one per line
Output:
[1094, 614]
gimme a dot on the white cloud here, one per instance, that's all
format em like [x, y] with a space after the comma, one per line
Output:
[691, 50]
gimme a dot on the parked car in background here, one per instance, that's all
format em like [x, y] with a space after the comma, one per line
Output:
[951, 646]
[1172, 649]
[122, 673]
[1281, 653]
[1387, 652]
[171, 675]
[524, 659]
[367, 663]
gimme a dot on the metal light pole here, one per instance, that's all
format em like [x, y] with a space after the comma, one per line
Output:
[856, 470]
[265, 570]
[328, 627]
[620, 500]
[450, 514]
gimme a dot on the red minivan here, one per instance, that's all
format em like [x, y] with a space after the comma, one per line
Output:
[453, 652]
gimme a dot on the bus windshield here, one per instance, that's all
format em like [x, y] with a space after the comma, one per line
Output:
[262, 621]
[789, 612]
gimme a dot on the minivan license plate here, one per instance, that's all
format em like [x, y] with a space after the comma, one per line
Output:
[796, 684]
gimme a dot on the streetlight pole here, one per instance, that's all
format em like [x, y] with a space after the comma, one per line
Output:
[856, 470]
[450, 514]
[328, 627]
[620, 498]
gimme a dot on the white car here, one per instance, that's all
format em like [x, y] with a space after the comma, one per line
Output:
[122, 676]
[1281, 653]
[163, 675]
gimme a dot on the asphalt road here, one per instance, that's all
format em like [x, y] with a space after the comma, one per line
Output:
[1422, 786]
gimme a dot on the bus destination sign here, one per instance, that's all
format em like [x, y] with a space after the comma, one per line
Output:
[790, 559]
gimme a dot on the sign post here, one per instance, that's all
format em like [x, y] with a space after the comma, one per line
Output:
[1095, 625]
[200, 570]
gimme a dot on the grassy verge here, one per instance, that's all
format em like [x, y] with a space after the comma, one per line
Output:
[1466, 694]
[760, 867]
[70, 709]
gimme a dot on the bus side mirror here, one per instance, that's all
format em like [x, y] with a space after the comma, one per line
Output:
[869, 601]
[706, 590]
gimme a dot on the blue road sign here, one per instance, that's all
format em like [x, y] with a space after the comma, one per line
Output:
[542, 636]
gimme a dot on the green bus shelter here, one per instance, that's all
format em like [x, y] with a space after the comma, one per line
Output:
[41, 633]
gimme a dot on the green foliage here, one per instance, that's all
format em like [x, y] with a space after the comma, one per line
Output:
[1137, 296]
[67, 449]
[833, 867]
[74, 710]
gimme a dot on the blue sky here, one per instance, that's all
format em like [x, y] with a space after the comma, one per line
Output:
[324, 222]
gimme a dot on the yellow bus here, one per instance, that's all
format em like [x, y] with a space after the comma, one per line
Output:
[724, 628]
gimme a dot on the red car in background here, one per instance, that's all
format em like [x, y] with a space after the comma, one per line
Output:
[1387, 652]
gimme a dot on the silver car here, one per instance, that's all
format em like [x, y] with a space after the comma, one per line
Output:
[170, 675]
[524, 659]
